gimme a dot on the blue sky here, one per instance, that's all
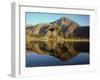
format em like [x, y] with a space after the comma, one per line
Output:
[35, 18]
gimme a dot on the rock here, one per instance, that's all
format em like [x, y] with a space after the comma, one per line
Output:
[63, 27]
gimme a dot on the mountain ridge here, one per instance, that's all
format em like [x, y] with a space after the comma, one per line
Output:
[63, 27]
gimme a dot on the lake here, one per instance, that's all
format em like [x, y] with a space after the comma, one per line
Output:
[46, 53]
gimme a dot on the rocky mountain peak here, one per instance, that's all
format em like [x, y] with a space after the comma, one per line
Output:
[64, 19]
[64, 27]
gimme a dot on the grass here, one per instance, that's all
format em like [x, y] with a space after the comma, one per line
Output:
[76, 40]
[61, 39]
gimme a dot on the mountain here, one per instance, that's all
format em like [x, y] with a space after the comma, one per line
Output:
[63, 27]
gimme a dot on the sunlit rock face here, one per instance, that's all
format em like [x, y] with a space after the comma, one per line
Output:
[63, 27]
[52, 39]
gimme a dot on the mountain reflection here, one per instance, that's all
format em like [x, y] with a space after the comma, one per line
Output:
[63, 51]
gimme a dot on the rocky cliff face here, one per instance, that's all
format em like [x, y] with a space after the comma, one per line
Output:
[67, 27]
[63, 27]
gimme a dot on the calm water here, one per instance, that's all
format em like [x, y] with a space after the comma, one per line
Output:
[33, 60]
[64, 53]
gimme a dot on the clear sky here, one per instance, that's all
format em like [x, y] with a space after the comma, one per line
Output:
[35, 18]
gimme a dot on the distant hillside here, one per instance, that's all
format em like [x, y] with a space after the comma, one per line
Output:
[82, 32]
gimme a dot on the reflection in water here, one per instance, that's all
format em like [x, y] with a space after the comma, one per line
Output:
[63, 51]
[82, 46]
